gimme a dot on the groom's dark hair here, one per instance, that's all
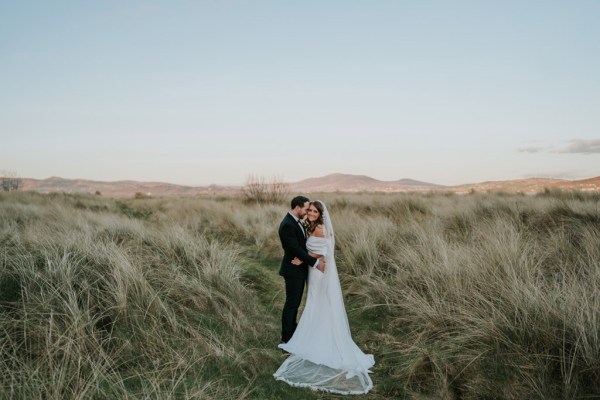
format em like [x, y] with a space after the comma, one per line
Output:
[299, 201]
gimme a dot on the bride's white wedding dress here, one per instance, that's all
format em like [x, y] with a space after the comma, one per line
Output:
[323, 355]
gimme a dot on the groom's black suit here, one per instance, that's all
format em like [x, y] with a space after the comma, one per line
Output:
[293, 242]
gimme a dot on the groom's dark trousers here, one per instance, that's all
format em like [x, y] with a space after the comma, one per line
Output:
[293, 242]
[294, 288]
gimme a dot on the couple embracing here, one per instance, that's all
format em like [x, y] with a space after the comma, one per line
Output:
[323, 355]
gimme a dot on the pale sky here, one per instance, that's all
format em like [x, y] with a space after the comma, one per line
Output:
[201, 92]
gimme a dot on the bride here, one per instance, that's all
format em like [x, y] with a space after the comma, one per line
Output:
[323, 355]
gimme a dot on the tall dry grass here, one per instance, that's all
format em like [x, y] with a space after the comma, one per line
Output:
[483, 296]
[480, 296]
[99, 304]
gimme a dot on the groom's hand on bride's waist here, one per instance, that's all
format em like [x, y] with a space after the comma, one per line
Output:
[320, 265]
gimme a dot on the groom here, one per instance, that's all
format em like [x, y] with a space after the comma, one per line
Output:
[293, 240]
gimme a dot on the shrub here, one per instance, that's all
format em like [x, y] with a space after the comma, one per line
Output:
[261, 190]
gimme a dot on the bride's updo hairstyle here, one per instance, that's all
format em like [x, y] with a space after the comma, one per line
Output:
[319, 221]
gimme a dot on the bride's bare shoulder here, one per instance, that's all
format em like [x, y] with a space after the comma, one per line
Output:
[318, 232]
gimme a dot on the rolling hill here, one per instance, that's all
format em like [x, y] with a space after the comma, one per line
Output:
[329, 183]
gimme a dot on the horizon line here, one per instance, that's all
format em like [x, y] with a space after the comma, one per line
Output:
[267, 178]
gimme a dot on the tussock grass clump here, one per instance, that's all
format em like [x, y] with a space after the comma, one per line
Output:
[475, 300]
[97, 303]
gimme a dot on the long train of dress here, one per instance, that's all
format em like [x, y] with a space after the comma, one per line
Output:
[323, 355]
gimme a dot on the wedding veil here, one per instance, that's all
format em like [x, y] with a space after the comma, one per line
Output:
[328, 225]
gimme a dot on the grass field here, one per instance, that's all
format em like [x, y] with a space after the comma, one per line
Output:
[482, 296]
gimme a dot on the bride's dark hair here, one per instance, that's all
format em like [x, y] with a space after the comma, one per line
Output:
[319, 221]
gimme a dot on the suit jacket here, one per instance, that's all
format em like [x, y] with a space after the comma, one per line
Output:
[294, 245]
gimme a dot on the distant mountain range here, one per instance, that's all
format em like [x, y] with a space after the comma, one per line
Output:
[359, 183]
[328, 183]
[531, 185]
[119, 188]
